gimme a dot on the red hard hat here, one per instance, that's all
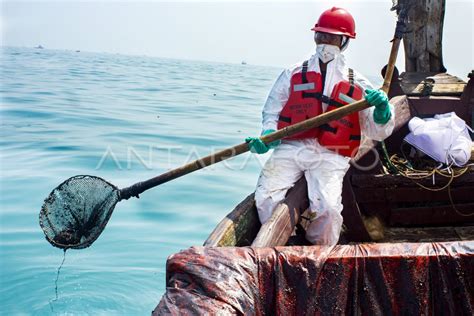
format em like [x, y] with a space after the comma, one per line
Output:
[336, 21]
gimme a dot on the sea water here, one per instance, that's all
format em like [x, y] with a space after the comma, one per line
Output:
[125, 119]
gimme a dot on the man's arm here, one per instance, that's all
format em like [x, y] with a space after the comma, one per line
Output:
[369, 127]
[276, 99]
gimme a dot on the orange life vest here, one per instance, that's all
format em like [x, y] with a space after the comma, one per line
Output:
[343, 135]
[302, 104]
[305, 102]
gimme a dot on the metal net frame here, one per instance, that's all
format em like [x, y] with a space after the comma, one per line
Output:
[76, 212]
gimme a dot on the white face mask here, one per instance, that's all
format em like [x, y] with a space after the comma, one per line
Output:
[327, 52]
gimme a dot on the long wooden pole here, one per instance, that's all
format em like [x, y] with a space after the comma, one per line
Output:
[227, 153]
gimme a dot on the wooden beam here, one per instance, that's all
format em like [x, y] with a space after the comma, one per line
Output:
[428, 234]
[394, 181]
[238, 228]
[412, 195]
[431, 84]
[432, 215]
[423, 42]
[277, 230]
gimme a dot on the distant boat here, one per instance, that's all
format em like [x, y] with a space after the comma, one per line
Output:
[39, 47]
[78, 51]
[244, 62]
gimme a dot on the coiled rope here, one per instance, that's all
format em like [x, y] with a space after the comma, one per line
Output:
[403, 167]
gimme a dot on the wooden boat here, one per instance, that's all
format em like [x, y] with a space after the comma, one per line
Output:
[405, 249]
[377, 206]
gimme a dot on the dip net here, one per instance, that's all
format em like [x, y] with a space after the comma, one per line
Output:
[76, 212]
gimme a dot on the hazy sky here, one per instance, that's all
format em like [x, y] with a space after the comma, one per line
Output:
[259, 32]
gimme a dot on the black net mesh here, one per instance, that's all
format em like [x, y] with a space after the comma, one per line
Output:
[75, 213]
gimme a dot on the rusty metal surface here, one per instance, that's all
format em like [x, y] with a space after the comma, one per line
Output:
[367, 279]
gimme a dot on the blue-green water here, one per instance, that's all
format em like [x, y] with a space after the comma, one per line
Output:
[125, 119]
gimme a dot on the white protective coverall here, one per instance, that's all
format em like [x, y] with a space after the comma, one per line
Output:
[324, 169]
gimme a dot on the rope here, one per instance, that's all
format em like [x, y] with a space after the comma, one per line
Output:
[403, 167]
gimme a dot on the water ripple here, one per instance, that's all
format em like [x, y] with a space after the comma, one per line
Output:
[125, 119]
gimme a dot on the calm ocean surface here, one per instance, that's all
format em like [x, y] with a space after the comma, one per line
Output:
[125, 119]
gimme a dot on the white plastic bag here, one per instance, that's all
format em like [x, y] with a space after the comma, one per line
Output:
[445, 138]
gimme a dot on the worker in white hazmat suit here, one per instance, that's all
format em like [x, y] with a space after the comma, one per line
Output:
[319, 84]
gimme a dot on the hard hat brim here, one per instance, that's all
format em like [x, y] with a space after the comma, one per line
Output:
[332, 31]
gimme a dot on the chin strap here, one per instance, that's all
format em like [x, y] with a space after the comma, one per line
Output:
[345, 43]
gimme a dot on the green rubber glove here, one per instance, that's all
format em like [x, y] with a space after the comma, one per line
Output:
[379, 99]
[257, 146]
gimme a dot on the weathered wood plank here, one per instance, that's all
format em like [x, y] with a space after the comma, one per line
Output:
[423, 42]
[394, 181]
[277, 230]
[414, 194]
[238, 228]
[428, 234]
[465, 232]
[429, 83]
[417, 77]
[432, 215]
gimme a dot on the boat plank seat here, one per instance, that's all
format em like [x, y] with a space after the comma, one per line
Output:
[431, 83]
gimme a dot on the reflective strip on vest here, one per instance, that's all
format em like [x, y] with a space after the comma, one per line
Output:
[303, 86]
[303, 102]
[346, 98]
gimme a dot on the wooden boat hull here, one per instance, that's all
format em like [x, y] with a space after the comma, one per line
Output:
[377, 207]
[432, 275]
[238, 228]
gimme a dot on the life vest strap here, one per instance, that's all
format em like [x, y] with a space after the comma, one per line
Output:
[321, 97]
[304, 71]
[285, 119]
[326, 127]
[351, 82]
[351, 76]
